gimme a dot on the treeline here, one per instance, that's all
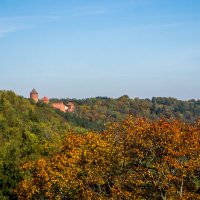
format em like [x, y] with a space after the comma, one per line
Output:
[95, 113]
[27, 132]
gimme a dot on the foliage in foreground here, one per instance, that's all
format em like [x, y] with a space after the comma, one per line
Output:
[135, 159]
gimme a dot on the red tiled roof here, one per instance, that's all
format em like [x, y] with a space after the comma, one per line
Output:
[45, 98]
[34, 91]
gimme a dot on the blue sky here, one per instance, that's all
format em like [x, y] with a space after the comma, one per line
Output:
[79, 49]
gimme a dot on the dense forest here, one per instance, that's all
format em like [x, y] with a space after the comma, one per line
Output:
[96, 113]
[107, 149]
[27, 131]
[135, 159]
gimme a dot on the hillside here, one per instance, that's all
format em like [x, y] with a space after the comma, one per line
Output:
[32, 131]
[27, 131]
[95, 113]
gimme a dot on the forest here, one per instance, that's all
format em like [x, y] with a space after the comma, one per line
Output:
[107, 149]
[97, 113]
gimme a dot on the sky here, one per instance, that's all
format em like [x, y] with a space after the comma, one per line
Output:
[81, 49]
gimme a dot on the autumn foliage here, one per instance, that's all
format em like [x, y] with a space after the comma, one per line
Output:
[134, 159]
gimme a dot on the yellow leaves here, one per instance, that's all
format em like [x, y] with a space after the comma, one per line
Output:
[27, 165]
[133, 159]
[41, 163]
[81, 163]
[27, 189]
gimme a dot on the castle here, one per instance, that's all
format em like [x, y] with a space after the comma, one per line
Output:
[56, 105]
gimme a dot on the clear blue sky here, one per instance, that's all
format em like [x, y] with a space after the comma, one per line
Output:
[79, 49]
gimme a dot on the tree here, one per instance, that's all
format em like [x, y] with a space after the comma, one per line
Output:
[134, 159]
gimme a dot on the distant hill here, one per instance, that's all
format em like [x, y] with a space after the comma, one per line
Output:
[95, 113]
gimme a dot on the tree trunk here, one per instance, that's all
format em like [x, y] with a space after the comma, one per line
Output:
[181, 189]
[163, 196]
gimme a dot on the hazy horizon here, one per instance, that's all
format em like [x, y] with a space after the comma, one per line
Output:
[41, 95]
[81, 49]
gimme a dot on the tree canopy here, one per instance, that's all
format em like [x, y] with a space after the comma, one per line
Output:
[27, 131]
[99, 151]
[134, 159]
[96, 113]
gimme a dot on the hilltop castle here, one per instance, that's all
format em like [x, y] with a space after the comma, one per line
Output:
[57, 105]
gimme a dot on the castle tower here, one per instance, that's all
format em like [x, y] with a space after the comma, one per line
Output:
[45, 100]
[34, 95]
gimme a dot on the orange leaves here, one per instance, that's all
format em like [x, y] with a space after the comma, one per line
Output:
[79, 166]
[27, 190]
[169, 149]
[134, 159]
